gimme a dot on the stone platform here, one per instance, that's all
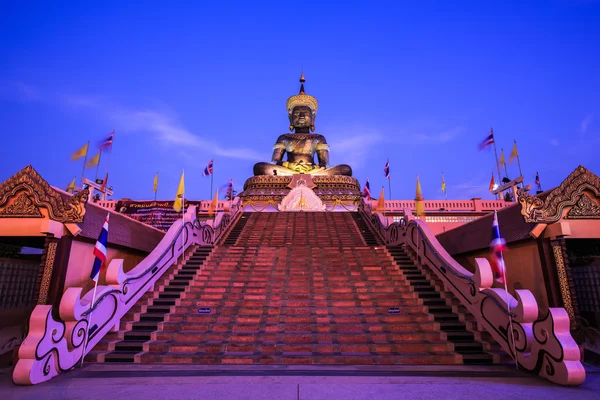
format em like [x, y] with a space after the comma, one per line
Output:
[265, 193]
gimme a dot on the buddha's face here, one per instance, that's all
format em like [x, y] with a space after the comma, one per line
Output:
[301, 117]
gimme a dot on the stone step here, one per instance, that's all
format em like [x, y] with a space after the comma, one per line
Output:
[206, 327]
[217, 337]
[136, 336]
[353, 359]
[121, 357]
[295, 300]
[435, 347]
[477, 359]
[130, 346]
[152, 317]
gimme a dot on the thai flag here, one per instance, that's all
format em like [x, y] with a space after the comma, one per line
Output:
[106, 143]
[100, 251]
[367, 190]
[497, 246]
[209, 169]
[489, 139]
[386, 169]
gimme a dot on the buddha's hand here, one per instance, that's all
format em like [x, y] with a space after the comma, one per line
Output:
[316, 170]
[298, 167]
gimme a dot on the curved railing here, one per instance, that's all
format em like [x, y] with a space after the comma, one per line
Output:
[56, 344]
[543, 346]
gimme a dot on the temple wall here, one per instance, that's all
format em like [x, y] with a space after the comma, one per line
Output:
[523, 269]
[81, 260]
[584, 229]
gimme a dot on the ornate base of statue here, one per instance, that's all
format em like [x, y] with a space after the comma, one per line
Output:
[265, 193]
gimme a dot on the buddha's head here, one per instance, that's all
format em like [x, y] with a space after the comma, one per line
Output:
[302, 109]
[302, 117]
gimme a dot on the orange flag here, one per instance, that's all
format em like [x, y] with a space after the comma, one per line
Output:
[492, 183]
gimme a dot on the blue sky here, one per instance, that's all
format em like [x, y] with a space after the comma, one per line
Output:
[420, 82]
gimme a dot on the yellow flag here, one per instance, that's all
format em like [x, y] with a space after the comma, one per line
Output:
[71, 186]
[179, 196]
[82, 152]
[514, 153]
[419, 202]
[381, 202]
[93, 161]
[502, 162]
[213, 205]
[443, 183]
[156, 183]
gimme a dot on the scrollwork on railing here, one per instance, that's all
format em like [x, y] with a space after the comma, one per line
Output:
[543, 346]
[54, 346]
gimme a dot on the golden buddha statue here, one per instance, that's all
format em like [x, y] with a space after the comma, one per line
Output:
[301, 146]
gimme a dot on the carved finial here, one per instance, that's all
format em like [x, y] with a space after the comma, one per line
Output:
[301, 89]
[302, 80]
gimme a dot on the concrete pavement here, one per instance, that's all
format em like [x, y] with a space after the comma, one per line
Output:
[102, 381]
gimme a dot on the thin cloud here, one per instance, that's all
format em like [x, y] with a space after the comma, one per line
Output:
[554, 142]
[476, 187]
[585, 124]
[20, 91]
[353, 145]
[442, 137]
[164, 125]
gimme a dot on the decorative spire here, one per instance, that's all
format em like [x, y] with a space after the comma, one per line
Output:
[302, 99]
[302, 80]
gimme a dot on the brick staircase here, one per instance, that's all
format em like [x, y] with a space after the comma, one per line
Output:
[294, 288]
[452, 321]
[145, 316]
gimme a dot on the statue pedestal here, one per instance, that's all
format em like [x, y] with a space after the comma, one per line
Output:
[265, 193]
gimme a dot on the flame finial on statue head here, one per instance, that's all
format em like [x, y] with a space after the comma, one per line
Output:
[302, 99]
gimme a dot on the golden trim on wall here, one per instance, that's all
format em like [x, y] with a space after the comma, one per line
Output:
[568, 194]
[562, 281]
[41, 195]
[47, 275]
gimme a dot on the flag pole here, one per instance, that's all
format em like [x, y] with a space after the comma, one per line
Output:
[98, 165]
[514, 346]
[110, 152]
[87, 150]
[182, 217]
[497, 163]
[212, 173]
[519, 162]
[505, 168]
[389, 180]
[445, 189]
[510, 321]
[87, 330]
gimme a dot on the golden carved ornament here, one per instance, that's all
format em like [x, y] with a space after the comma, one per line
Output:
[47, 274]
[283, 182]
[23, 207]
[41, 194]
[302, 99]
[549, 210]
[584, 209]
[563, 282]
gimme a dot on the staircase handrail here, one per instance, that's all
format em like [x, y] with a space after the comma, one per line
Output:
[543, 346]
[373, 220]
[55, 340]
